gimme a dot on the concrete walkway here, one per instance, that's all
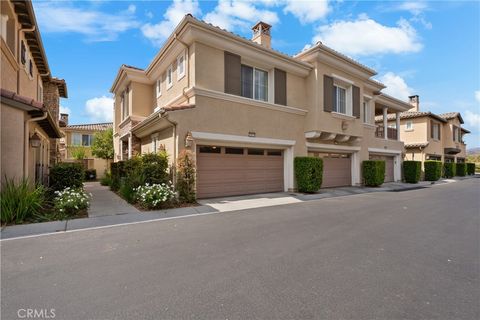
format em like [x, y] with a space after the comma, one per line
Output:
[105, 202]
[108, 209]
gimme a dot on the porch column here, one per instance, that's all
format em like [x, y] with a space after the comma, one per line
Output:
[130, 146]
[397, 124]
[385, 123]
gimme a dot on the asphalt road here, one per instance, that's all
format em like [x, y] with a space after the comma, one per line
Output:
[413, 254]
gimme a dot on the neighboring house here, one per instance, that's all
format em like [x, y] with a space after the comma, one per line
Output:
[29, 97]
[81, 136]
[246, 110]
[429, 136]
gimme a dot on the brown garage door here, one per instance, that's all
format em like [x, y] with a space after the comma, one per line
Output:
[337, 170]
[228, 171]
[389, 166]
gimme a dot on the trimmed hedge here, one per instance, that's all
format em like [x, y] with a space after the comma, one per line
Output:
[433, 170]
[309, 173]
[470, 168]
[64, 175]
[117, 172]
[412, 170]
[373, 172]
[461, 169]
[90, 174]
[449, 169]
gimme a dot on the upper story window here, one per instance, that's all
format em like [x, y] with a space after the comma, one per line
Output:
[409, 125]
[367, 114]
[23, 53]
[30, 67]
[158, 88]
[340, 99]
[125, 105]
[457, 134]
[79, 139]
[435, 131]
[254, 83]
[40, 93]
[7, 26]
[169, 77]
[181, 66]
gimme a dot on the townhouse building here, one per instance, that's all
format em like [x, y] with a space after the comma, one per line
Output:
[29, 97]
[246, 110]
[81, 136]
[430, 136]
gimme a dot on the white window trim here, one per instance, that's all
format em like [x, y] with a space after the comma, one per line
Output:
[158, 87]
[180, 75]
[406, 125]
[169, 84]
[269, 94]
[348, 99]
[367, 111]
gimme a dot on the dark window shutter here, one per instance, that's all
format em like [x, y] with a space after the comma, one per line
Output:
[280, 81]
[328, 93]
[356, 101]
[439, 131]
[454, 132]
[233, 74]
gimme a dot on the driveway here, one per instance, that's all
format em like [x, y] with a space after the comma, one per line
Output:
[412, 254]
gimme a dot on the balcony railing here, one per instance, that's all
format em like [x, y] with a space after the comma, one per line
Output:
[391, 133]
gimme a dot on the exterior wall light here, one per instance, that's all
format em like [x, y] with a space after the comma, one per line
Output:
[35, 141]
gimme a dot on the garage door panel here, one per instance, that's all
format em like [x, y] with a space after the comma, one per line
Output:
[336, 172]
[232, 174]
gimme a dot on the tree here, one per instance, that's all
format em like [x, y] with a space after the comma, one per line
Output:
[78, 153]
[102, 146]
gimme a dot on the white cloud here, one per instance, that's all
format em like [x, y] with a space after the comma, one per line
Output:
[396, 86]
[307, 11]
[365, 36]
[472, 119]
[157, 33]
[64, 110]
[100, 109]
[415, 7]
[477, 95]
[63, 17]
[231, 14]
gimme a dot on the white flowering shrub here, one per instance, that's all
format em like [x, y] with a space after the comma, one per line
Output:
[70, 201]
[153, 196]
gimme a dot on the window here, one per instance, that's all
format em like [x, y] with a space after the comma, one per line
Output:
[254, 83]
[79, 139]
[125, 106]
[23, 52]
[181, 66]
[210, 149]
[40, 93]
[159, 89]
[234, 150]
[30, 67]
[340, 96]
[256, 152]
[436, 131]
[4, 21]
[366, 111]
[274, 153]
[169, 77]
[409, 125]
[455, 134]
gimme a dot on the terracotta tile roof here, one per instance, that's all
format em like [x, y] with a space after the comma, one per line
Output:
[90, 126]
[451, 115]
[62, 86]
[416, 145]
[22, 99]
[410, 115]
[132, 67]
[465, 130]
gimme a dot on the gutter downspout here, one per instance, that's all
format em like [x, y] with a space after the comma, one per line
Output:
[187, 58]
[26, 142]
[19, 52]
[164, 115]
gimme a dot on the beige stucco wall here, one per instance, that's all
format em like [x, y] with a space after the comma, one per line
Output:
[141, 99]
[209, 67]
[12, 137]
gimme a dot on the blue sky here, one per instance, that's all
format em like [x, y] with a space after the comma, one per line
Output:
[427, 48]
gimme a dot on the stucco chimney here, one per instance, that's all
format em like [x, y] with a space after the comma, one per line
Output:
[261, 34]
[64, 118]
[415, 102]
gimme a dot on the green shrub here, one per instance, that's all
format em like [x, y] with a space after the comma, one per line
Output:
[309, 173]
[63, 175]
[117, 172]
[449, 169]
[127, 190]
[155, 167]
[461, 169]
[106, 180]
[90, 174]
[186, 177]
[412, 170]
[154, 196]
[433, 170]
[20, 200]
[470, 168]
[373, 172]
[69, 202]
